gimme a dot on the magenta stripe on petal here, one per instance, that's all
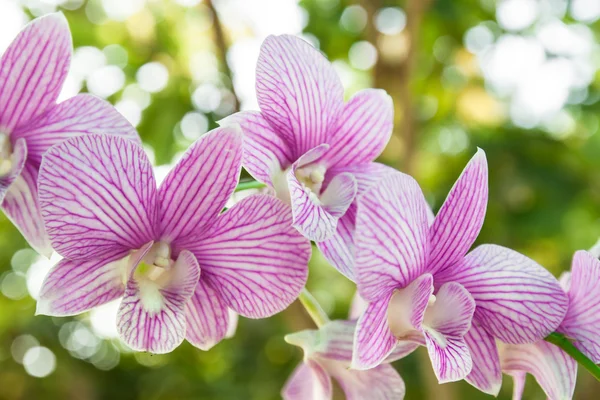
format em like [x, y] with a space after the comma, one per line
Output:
[460, 218]
[79, 115]
[97, 195]
[253, 257]
[151, 317]
[197, 188]
[450, 359]
[309, 381]
[552, 368]
[17, 163]
[364, 128]
[391, 236]
[486, 374]
[373, 340]
[74, 286]
[582, 322]
[380, 383]
[33, 69]
[21, 206]
[298, 91]
[207, 317]
[518, 301]
[339, 248]
[265, 152]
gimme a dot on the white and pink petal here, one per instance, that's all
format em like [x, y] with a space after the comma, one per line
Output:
[309, 381]
[207, 317]
[97, 196]
[486, 374]
[253, 257]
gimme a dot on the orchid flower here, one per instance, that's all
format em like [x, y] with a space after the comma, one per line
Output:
[32, 72]
[328, 354]
[422, 286]
[176, 261]
[311, 149]
[555, 370]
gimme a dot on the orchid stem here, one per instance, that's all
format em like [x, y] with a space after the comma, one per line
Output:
[249, 185]
[565, 344]
[313, 308]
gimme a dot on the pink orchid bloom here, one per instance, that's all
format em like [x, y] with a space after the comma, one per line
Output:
[178, 262]
[555, 370]
[32, 72]
[311, 149]
[328, 354]
[421, 285]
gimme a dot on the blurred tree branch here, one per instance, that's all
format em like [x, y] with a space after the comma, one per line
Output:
[222, 47]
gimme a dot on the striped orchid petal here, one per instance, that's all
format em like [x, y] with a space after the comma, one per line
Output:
[333, 341]
[309, 381]
[582, 322]
[552, 368]
[72, 287]
[82, 114]
[33, 69]
[364, 128]
[253, 257]
[22, 207]
[207, 317]
[445, 324]
[460, 218]
[486, 374]
[391, 236]
[373, 340]
[408, 306]
[380, 383]
[151, 316]
[518, 301]
[266, 154]
[11, 168]
[97, 194]
[339, 250]
[299, 92]
[197, 188]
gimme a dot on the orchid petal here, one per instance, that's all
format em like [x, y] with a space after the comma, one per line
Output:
[151, 316]
[316, 218]
[380, 383]
[446, 323]
[552, 368]
[207, 317]
[79, 115]
[460, 218]
[265, 152]
[373, 340]
[519, 379]
[582, 322]
[518, 301]
[309, 381]
[73, 286]
[391, 236]
[333, 341]
[33, 69]
[196, 190]
[364, 128]
[21, 206]
[339, 248]
[97, 194]
[17, 163]
[486, 374]
[298, 91]
[253, 257]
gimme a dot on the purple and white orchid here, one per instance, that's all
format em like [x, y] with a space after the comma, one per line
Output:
[421, 284]
[169, 252]
[32, 72]
[313, 150]
[555, 370]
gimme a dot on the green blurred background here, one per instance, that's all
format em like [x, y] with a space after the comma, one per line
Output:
[518, 78]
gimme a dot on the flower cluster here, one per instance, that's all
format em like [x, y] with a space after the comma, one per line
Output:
[74, 178]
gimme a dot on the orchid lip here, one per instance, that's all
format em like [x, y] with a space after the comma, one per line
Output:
[6, 162]
[311, 177]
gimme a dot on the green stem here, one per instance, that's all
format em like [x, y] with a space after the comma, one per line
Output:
[249, 185]
[313, 308]
[561, 341]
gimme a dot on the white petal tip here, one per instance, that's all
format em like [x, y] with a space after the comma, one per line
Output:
[43, 308]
